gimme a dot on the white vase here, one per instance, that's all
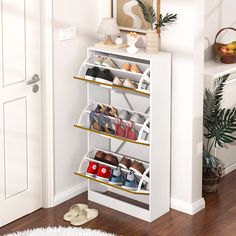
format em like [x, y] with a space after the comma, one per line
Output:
[131, 41]
[152, 41]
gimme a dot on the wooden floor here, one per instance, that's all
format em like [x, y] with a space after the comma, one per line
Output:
[218, 219]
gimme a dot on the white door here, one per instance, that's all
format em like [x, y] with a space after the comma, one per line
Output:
[20, 110]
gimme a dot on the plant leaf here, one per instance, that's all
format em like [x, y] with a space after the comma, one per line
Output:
[219, 123]
[148, 12]
[167, 19]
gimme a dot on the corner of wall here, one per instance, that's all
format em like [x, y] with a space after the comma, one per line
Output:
[188, 208]
[71, 193]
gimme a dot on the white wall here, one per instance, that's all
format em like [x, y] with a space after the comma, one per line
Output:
[186, 41]
[70, 144]
[219, 14]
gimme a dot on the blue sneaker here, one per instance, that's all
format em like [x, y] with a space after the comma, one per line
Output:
[117, 177]
[130, 183]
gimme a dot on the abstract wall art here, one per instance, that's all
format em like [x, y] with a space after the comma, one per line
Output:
[129, 16]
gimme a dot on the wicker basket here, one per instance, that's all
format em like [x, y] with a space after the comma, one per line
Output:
[225, 58]
[210, 184]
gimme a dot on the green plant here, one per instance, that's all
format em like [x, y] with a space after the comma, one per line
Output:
[167, 19]
[151, 17]
[219, 123]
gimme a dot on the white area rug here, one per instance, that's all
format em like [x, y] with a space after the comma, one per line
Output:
[62, 232]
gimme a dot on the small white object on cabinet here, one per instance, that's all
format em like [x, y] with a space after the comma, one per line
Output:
[154, 152]
[119, 40]
[131, 41]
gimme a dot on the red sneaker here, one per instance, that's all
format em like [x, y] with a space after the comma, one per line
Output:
[130, 131]
[92, 169]
[120, 128]
[103, 173]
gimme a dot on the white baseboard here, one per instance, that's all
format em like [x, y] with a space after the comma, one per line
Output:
[229, 169]
[70, 193]
[187, 208]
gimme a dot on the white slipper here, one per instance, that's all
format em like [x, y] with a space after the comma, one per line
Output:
[85, 216]
[74, 211]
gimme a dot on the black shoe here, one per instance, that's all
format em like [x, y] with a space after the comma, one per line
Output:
[92, 73]
[105, 77]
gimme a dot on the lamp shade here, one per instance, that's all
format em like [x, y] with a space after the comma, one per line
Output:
[108, 26]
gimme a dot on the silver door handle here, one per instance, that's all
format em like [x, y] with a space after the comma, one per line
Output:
[34, 80]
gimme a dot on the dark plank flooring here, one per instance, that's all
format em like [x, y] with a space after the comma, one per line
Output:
[218, 219]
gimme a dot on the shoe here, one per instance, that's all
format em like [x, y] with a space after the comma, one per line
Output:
[117, 177]
[125, 83]
[100, 108]
[111, 111]
[130, 182]
[135, 69]
[131, 133]
[111, 159]
[137, 167]
[103, 173]
[99, 156]
[84, 217]
[120, 128]
[137, 118]
[74, 211]
[107, 62]
[124, 115]
[105, 77]
[92, 169]
[125, 163]
[94, 121]
[107, 110]
[105, 125]
[130, 84]
[117, 81]
[126, 67]
[98, 61]
[91, 73]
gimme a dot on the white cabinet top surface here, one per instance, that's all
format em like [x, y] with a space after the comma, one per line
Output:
[215, 69]
[122, 52]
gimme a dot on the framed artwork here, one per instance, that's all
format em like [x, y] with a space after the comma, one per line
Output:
[129, 16]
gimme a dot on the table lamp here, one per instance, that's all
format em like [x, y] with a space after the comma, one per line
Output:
[108, 27]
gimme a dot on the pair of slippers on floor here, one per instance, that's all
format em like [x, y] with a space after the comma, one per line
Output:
[80, 214]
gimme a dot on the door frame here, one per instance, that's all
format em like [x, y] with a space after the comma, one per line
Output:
[47, 103]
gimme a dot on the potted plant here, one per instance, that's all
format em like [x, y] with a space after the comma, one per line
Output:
[219, 127]
[152, 37]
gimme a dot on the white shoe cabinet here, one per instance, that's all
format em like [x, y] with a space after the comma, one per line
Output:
[151, 99]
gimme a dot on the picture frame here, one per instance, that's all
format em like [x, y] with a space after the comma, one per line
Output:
[126, 21]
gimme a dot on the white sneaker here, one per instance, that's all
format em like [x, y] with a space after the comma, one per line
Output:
[107, 62]
[117, 81]
[99, 60]
[130, 84]
[137, 118]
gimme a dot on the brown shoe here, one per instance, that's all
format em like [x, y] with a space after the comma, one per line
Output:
[137, 167]
[99, 156]
[134, 68]
[126, 67]
[125, 163]
[111, 111]
[111, 159]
